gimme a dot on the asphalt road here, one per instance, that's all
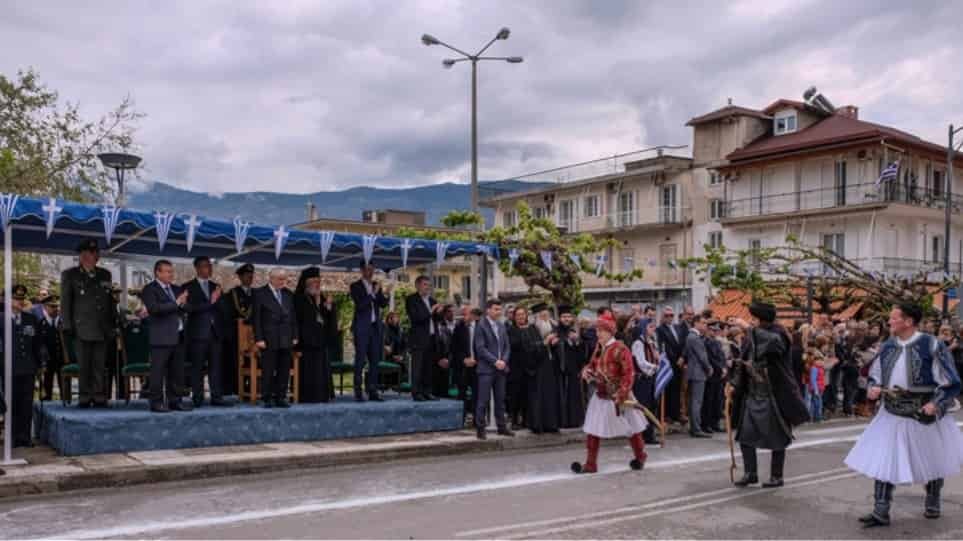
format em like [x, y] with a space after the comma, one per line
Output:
[684, 492]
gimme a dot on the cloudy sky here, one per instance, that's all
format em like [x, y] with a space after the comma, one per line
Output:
[301, 96]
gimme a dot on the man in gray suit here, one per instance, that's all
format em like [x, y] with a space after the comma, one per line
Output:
[492, 351]
[699, 371]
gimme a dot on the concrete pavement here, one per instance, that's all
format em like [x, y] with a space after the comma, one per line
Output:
[683, 492]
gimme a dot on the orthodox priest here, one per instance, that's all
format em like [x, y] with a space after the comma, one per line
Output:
[911, 439]
[569, 352]
[236, 306]
[609, 414]
[766, 400]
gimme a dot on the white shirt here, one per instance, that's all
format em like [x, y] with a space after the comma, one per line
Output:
[170, 293]
[900, 374]
[638, 353]
[431, 319]
[675, 333]
[369, 287]
[277, 294]
[498, 339]
[471, 339]
[205, 287]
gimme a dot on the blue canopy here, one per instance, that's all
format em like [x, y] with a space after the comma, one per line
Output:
[57, 226]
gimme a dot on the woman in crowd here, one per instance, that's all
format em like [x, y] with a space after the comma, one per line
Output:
[645, 353]
[312, 313]
[517, 400]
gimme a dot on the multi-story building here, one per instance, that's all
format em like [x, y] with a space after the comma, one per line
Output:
[647, 203]
[811, 171]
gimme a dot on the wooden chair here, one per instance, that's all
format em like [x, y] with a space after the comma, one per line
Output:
[248, 365]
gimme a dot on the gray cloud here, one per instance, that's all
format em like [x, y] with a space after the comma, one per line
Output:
[305, 96]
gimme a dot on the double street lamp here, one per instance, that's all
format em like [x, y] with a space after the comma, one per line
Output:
[120, 163]
[951, 150]
[448, 63]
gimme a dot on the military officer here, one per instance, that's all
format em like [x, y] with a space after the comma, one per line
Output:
[235, 306]
[88, 319]
[52, 354]
[25, 354]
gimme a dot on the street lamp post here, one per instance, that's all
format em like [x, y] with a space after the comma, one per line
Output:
[951, 150]
[120, 163]
[502, 34]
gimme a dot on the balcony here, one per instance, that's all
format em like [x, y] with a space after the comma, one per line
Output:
[657, 217]
[855, 195]
[889, 266]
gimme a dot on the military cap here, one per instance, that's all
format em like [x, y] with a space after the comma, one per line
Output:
[245, 269]
[19, 292]
[540, 307]
[88, 245]
[52, 300]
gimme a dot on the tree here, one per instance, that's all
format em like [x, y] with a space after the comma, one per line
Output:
[529, 238]
[786, 275]
[48, 148]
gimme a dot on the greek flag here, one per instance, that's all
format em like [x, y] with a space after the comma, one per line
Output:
[890, 173]
[663, 375]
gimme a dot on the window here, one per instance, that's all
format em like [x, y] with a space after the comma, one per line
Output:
[566, 214]
[540, 212]
[717, 209]
[937, 249]
[466, 287]
[938, 183]
[441, 281]
[836, 243]
[626, 209]
[754, 246]
[714, 178]
[668, 201]
[715, 239]
[628, 259]
[508, 218]
[785, 123]
[591, 204]
[840, 183]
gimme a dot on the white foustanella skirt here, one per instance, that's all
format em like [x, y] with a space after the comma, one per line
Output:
[902, 451]
[601, 420]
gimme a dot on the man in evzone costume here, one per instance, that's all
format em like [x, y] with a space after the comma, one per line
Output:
[610, 412]
[911, 439]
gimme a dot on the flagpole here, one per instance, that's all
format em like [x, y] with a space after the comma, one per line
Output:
[662, 419]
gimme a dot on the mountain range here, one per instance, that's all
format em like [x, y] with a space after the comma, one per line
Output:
[271, 208]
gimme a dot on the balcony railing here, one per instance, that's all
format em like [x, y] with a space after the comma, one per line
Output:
[889, 266]
[839, 197]
[658, 216]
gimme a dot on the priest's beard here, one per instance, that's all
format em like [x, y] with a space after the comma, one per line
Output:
[544, 327]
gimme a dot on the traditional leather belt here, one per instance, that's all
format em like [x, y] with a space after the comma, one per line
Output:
[909, 405]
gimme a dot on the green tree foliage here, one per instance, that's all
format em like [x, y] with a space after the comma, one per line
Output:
[462, 218]
[48, 148]
[531, 236]
[782, 275]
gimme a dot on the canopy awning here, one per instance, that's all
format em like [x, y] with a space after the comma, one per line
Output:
[56, 226]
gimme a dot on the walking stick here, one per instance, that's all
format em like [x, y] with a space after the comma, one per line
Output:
[732, 449]
[662, 417]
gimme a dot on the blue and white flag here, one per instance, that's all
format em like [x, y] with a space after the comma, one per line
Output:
[441, 250]
[111, 214]
[405, 248]
[663, 375]
[327, 238]
[512, 256]
[52, 211]
[367, 247]
[599, 264]
[546, 256]
[163, 225]
[280, 239]
[240, 233]
[576, 259]
[8, 202]
[193, 223]
[890, 173]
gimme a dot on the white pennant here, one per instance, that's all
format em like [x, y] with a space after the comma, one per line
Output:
[111, 215]
[327, 238]
[512, 256]
[484, 249]
[192, 225]
[240, 233]
[163, 226]
[367, 247]
[8, 202]
[52, 210]
[405, 247]
[441, 249]
[576, 260]
[546, 259]
[599, 265]
[280, 239]
[627, 263]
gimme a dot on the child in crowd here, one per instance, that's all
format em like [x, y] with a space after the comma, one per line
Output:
[815, 375]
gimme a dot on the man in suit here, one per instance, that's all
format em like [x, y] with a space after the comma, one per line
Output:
[699, 371]
[52, 354]
[88, 319]
[235, 306]
[368, 299]
[26, 361]
[205, 331]
[37, 304]
[714, 400]
[492, 352]
[165, 304]
[422, 309]
[672, 341]
[275, 334]
[463, 357]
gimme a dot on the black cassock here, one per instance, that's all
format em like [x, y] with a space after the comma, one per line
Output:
[570, 355]
[544, 405]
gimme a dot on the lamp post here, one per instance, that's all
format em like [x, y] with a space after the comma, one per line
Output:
[951, 150]
[120, 163]
[502, 34]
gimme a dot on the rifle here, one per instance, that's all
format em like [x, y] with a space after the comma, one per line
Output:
[631, 403]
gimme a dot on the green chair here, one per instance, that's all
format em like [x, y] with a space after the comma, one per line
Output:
[392, 369]
[136, 356]
[70, 370]
[335, 354]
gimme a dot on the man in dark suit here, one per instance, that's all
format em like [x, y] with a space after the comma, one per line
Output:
[26, 361]
[88, 319]
[275, 334]
[699, 370]
[492, 351]
[165, 307]
[713, 403]
[52, 353]
[671, 340]
[366, 326]
[463, 358]
[205, 331]
[422, 308]
[235, 306]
